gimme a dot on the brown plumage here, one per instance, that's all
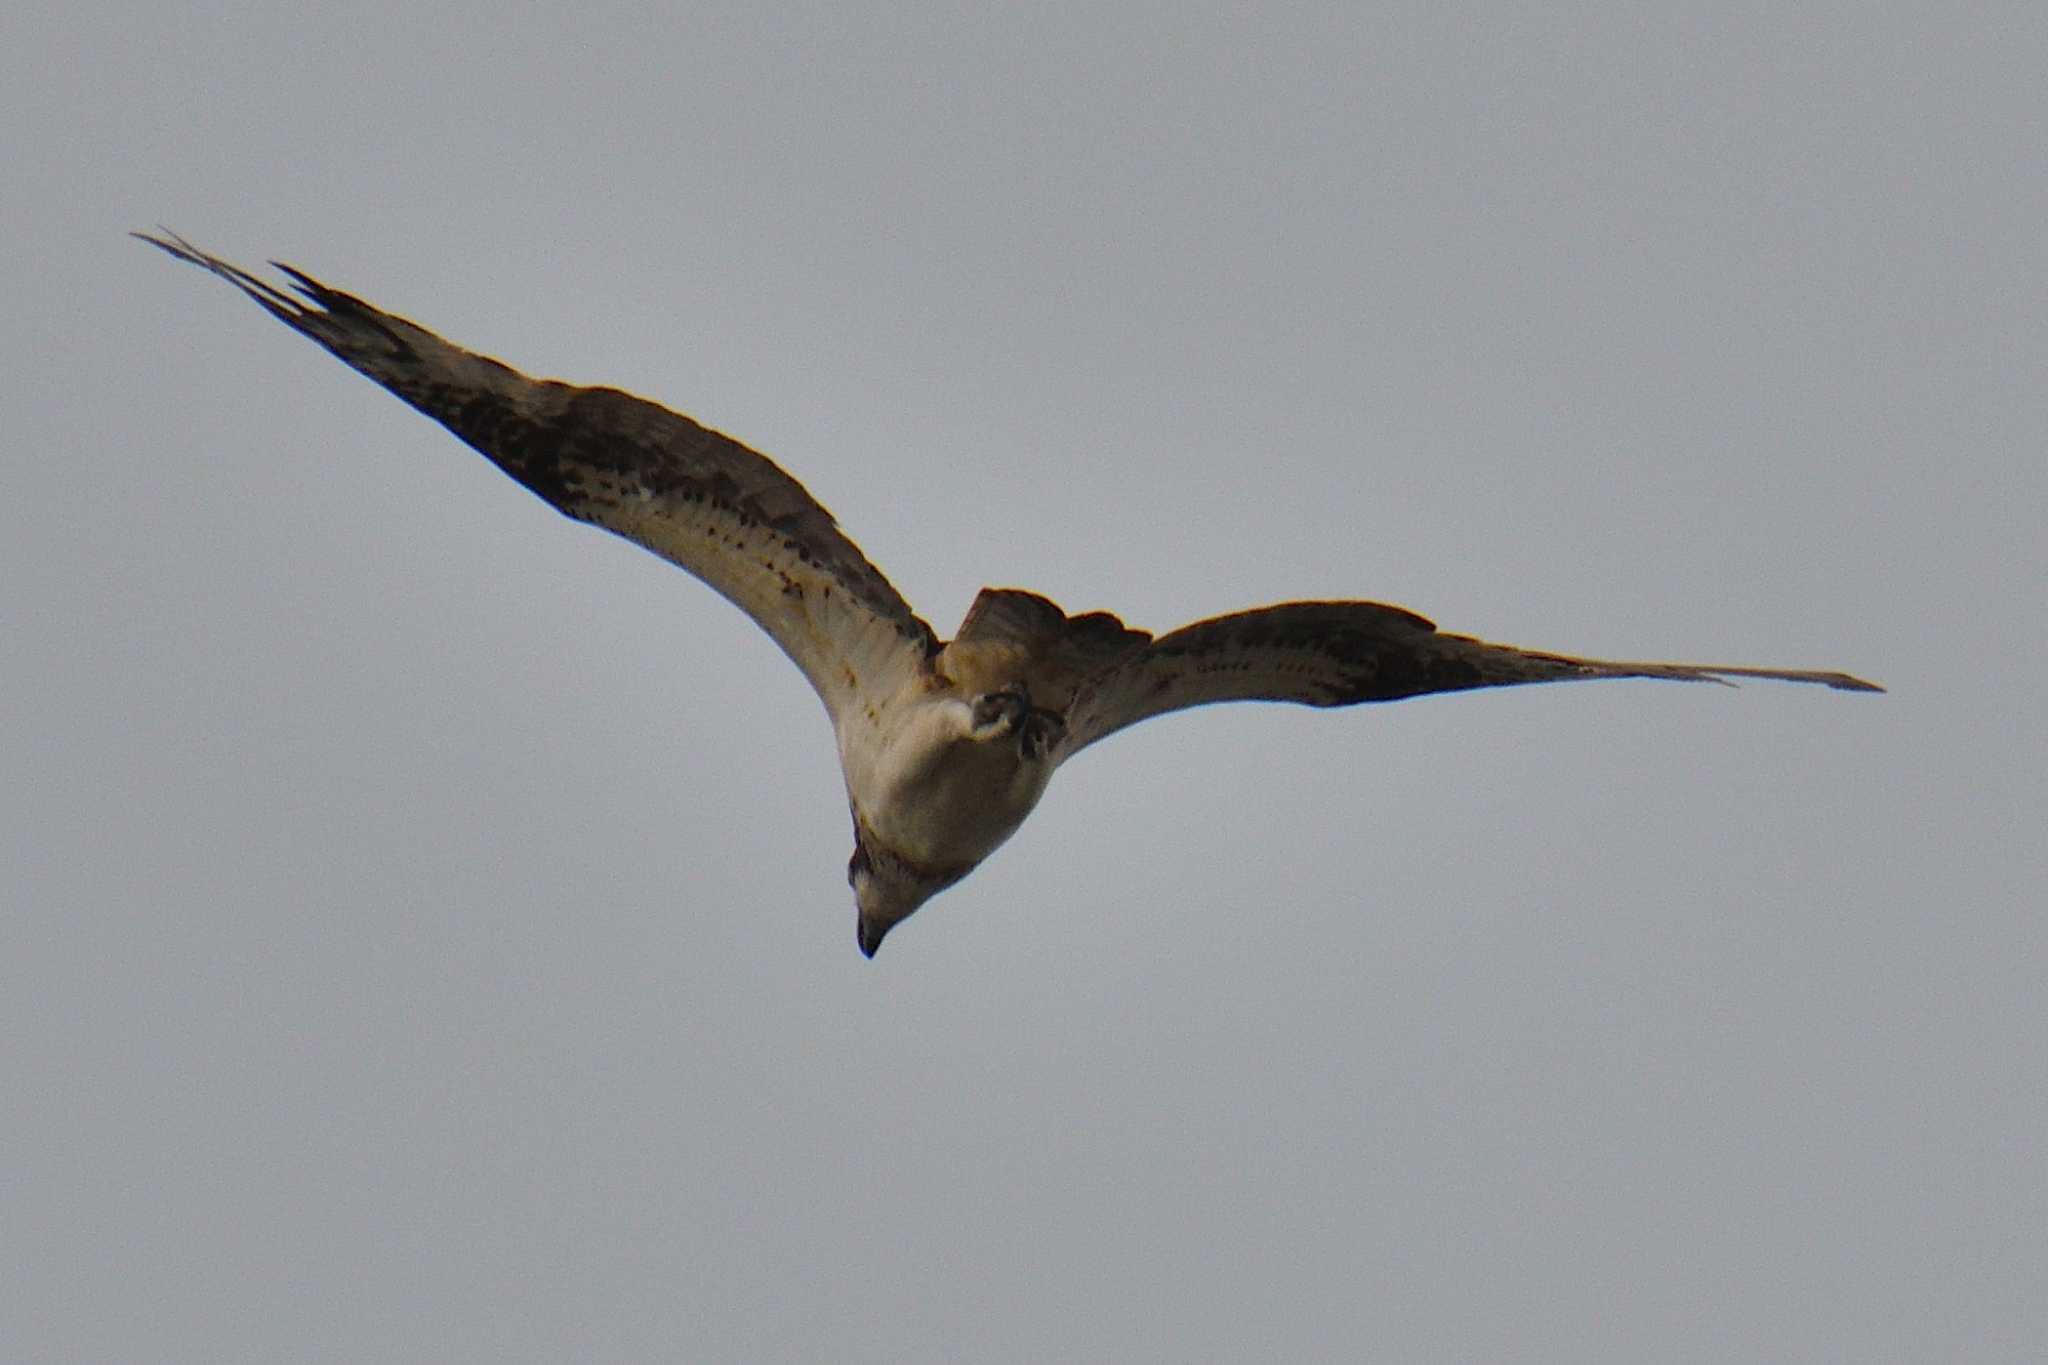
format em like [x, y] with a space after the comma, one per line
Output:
[945, 747]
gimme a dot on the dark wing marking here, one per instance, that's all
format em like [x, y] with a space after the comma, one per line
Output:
[1341, 654]
[693, 496]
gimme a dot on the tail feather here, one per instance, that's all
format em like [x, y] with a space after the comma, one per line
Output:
[1010, 635]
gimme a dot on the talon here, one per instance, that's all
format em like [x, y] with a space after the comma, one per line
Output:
[1001, 711]
[1040, 732]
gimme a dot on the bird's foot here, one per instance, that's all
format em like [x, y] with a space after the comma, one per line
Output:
[1040, 732]
[999, 713]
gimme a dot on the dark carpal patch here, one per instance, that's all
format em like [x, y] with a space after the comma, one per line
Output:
[1058, 684]
[583, 450]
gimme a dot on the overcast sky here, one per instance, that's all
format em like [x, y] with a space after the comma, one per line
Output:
[426, 934]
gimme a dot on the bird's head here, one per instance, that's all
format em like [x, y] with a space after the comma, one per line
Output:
[887, 891]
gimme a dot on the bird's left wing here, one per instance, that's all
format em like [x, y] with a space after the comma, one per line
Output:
[693, 496]
[1341, 654]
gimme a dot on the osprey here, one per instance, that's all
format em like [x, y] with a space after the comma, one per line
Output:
[946, 745]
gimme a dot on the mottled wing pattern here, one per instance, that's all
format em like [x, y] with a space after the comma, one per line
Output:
[695, 497]
[1341, 654]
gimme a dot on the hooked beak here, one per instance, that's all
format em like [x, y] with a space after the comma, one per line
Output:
[871, 932]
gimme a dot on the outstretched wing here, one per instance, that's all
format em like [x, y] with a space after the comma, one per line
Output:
[1341, 654]
[697, 498]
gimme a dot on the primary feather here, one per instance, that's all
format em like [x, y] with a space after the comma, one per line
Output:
[945, 747]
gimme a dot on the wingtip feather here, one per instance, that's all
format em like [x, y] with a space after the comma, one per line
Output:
[276, 300]
[1843, 682]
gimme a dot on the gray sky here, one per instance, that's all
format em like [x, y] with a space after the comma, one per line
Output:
[426, 932]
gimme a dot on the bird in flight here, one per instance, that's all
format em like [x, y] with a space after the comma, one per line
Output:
[946, 745]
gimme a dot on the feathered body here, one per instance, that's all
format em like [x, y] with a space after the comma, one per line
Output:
[946, 747]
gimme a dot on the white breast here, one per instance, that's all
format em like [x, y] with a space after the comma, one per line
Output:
[929, 792]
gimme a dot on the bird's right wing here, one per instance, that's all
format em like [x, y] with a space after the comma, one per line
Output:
[1341, 654]
[697, 498]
